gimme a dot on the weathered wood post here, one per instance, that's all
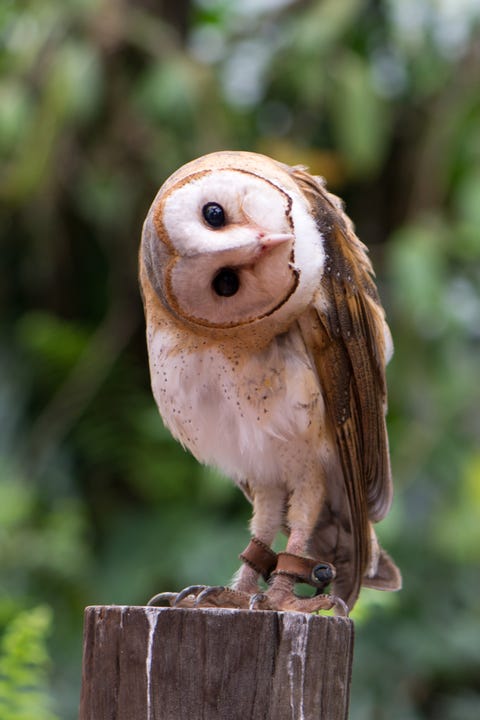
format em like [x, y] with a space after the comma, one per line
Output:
[150, 663]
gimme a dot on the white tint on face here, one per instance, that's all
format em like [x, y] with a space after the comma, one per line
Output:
[250, 204]
[274, 283]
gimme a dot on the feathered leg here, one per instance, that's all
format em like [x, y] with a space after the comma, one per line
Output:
[295, 564]
[267, 519]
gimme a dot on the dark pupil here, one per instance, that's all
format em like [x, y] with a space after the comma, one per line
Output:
[213, 214]
[226, 282]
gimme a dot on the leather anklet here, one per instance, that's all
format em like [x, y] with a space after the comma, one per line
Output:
[259, 557]
[313, 572]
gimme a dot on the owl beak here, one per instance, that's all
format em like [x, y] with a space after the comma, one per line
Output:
[268, 242]
[249, 252]
[265, 243]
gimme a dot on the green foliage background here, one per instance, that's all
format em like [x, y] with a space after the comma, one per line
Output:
[99, 101]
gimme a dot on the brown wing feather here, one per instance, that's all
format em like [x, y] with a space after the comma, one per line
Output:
[345, 332]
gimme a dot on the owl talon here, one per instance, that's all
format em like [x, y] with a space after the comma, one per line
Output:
[341, 607]
[207, 593]
[204, 596]
[223, 597]
[190, 590]
[157, 600]
[256, 599]
[314, 604]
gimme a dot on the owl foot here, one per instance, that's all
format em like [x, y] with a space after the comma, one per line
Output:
[289, 570]
[289, 602]
[203, 596]
[292, 569]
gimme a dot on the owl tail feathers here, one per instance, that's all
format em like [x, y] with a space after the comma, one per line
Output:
[385, 576]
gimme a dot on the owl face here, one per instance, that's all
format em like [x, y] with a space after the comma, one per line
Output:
[227, 247]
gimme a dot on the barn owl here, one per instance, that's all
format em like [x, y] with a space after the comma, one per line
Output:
[267, 347]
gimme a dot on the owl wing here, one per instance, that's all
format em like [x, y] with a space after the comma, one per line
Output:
[346, 334]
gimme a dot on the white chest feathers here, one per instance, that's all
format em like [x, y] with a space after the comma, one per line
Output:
[255, 416]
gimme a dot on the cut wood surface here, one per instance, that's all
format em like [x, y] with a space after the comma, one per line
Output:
[148, 663]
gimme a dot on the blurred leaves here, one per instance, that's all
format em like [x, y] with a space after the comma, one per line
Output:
[53, 343]
[359, 115]
[418, 266]
[23, 664]
[38, 537]
[99, 103]
[458, 529]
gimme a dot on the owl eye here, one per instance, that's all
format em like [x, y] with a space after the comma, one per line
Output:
[226, 282]
[213, 214]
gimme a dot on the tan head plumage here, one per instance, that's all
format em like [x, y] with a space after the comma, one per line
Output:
[257, 203]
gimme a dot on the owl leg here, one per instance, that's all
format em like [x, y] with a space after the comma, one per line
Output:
[267, 519]
[258, 559]
[295, 566]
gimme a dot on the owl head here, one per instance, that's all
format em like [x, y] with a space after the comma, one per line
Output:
[230, 242]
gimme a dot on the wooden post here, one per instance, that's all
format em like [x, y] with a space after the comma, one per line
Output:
[149, 663]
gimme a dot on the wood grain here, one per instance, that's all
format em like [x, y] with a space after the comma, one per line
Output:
[145, 663]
